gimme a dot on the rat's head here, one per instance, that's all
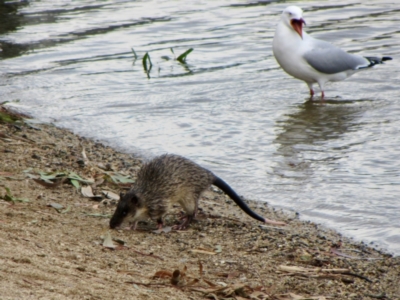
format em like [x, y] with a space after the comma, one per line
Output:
[127, 210]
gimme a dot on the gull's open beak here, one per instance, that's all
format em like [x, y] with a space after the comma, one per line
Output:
[297, 25]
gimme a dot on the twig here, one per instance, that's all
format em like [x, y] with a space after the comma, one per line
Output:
[357, 275]
[152, 284]
[380, 296]
[335, 251]
[50, 185]
[145, 254]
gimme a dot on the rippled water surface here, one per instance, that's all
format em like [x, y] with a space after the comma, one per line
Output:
[230, 108]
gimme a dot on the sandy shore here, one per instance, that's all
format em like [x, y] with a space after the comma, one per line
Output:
[56, 244]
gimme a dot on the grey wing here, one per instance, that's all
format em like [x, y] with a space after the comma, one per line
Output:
[329, 59]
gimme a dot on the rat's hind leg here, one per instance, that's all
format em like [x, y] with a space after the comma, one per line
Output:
[160, 223]
[189, 203]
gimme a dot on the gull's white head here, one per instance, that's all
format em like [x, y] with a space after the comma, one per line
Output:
[292, 16]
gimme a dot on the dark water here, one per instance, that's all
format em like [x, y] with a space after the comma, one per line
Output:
[230, 108]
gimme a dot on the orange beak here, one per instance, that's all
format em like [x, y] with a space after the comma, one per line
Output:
[298, 26]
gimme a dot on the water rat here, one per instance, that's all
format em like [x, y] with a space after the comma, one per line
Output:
[166, 180]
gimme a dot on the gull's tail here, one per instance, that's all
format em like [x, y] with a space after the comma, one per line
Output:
[376, 60]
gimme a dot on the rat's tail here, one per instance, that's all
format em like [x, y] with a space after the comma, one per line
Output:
[218, 182]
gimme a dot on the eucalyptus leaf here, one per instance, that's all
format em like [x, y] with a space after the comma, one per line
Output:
[9, 196]
[75, 183]
[107, 242]
[118, 178]
[66, 210]
[52, 176]
[56, 206]
[74, 176]
[111, 195]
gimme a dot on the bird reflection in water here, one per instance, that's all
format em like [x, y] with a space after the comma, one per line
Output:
[311, 137]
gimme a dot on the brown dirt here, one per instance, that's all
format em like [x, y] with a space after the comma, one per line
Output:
[47, 253]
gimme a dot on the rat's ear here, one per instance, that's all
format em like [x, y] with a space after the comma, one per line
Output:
[136, 201]
[121, 195]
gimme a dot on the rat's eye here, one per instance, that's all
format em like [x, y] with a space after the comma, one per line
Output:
[124, 213]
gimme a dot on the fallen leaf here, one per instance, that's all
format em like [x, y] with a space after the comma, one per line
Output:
[49, 184]
[66, 210]
[163, 230]
[162, 274]
[111, 195]
[193, 282]
[9, 196]
[85, 158]
[210, 283]
[203, 251]
[56, 206]
[107, 242]
[74, 176]
[88, 192]
[75, 183]
[292, 269]
[338, 253]
[118, 178]
[292, 296]
[48, 177]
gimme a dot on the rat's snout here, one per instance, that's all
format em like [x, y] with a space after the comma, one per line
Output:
[113, 223]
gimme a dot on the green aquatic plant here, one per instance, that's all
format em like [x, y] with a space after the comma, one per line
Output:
[147, 64]
[182, 58]
[147, 69]
[134, 54]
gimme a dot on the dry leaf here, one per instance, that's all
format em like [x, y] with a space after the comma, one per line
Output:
[291, 269]
[85, 158]
[162, 274]
[56, 206]
[48, 184]
[291, 296]
[193, 282]
[87, 191]
[107, 242]
[210, 283]
[111, 195]
[203, 251]
[163, 230]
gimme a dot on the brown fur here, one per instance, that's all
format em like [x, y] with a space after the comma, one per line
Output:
[162, 182]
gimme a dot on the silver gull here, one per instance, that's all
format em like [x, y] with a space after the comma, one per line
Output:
[313, 60]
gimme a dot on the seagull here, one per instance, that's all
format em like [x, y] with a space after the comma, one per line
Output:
[313, 60]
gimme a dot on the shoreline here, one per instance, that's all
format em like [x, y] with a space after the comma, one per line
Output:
[53, 245]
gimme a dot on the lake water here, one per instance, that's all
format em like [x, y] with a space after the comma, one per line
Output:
[230, 108]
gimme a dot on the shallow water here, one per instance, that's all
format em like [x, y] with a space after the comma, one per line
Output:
[230, 108]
